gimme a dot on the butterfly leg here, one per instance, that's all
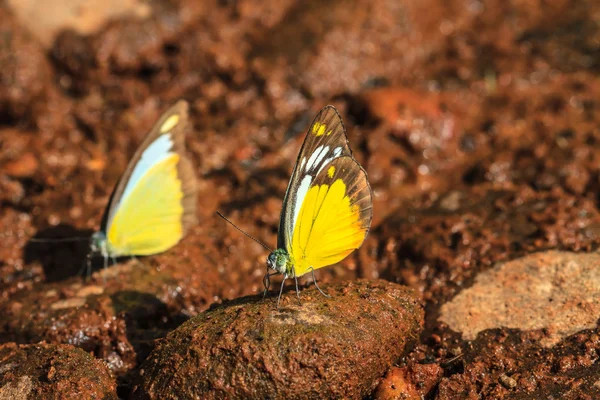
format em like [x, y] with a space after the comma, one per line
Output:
[267, 282]
[315, 282]
[281, 290]
[105, 257]
[297, 291]
[87, 267]
[137, 260]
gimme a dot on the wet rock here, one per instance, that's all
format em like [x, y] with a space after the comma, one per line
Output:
[47, 371]
[558, 292]
[325, 348]
[64, 314]
[116, 314]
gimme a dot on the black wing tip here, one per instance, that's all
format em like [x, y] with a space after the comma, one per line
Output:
[325, 110]
[330, 107]
[328, 114]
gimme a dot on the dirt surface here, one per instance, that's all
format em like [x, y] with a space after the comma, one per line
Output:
[478, 123]
[47, 371]
[336, 347]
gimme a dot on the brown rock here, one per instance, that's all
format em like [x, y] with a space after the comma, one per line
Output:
[396, 386]
[47, 371]
[23, 167]
[46, 19]
[115, 315]
[11, 190]
[558, 292]
[411, 382]
[325, 348]
[24, 71]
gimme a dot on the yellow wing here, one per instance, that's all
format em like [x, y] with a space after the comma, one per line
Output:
[149, 221]
[334, 218]
[154, 203]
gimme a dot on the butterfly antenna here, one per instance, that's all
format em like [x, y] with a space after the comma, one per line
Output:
[60, 240]
[247, 234]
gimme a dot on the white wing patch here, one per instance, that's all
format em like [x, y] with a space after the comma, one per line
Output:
[336, 154]
[300, 195]
[315, 164]
[316, 157]
[155, 153]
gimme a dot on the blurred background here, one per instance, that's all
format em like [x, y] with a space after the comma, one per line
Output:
[478, 123]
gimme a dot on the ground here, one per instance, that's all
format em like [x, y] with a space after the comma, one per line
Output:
[476, 121]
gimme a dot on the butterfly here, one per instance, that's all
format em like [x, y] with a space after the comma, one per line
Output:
[327, 208]
[154, 203]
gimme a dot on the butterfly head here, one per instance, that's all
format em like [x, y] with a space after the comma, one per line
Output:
[98, 243]
[280, 261]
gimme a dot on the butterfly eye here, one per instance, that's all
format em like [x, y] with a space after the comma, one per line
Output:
[96, 241]
[271, 261]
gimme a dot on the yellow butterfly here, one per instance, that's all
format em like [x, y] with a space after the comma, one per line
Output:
[327, 209]
[154, 203]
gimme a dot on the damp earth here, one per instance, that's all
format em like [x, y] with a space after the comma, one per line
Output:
[477, 122]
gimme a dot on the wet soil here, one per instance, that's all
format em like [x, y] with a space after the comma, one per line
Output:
[478, 124]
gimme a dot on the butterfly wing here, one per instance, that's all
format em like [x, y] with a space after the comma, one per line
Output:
[334, 217]
[325, 140]
[154, 203]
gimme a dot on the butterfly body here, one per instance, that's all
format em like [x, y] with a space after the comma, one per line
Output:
[327, 209]
[280, 261]
[154, 203]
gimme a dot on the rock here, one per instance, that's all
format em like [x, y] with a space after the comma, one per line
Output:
[11, 190]
[116, 314]
[558, 292]
[23, 167]
[413, 382]
[25, 72]
[396, 386]
[133, 43]
[52, 371]
[46, 19]
[324, 348]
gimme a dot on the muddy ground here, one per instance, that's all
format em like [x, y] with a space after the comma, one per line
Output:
[478, 123]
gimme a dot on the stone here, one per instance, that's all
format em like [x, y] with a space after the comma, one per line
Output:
[558, 292]
[323, 348]
[36, 371]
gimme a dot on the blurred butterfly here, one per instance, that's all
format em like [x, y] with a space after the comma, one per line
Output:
[154, 203]
[327, 208]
